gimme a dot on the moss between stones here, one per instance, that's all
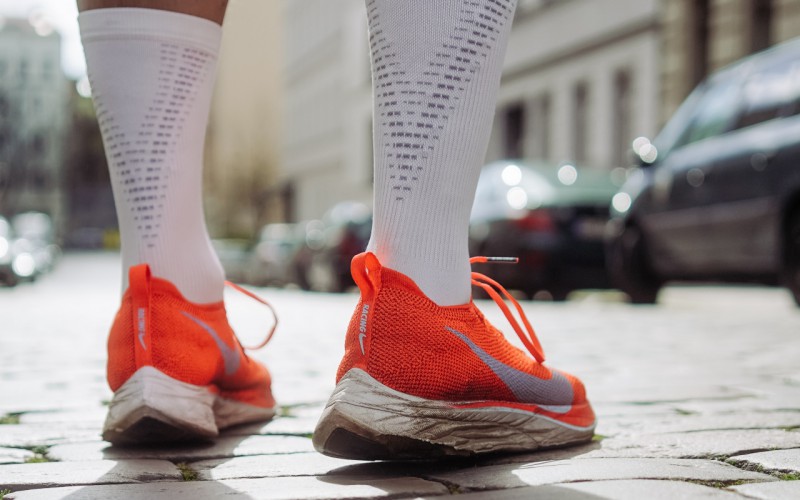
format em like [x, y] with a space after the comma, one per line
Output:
[10, 419]
[718, 484]
[187, 473]
[39, 455]
[3, 493]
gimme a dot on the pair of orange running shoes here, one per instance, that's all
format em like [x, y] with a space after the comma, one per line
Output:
[417, 380]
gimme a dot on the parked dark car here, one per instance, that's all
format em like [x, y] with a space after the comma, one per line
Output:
[551, 217]
[717, 196]
[270, 261]
[7, 275]
[233, 254]
[322, 263]
[35, 235]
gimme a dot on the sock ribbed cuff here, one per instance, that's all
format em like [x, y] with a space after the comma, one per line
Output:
[144, 23]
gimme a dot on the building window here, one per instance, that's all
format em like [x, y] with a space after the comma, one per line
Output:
[514, 130]
[47, 69]
[622, 117]
[539, 123]
[761, 28]
[699, 41]
[580, 123]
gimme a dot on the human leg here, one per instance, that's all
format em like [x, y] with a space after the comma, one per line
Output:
[424, 373]
[175, 366]
[213, 10]
[152, 73]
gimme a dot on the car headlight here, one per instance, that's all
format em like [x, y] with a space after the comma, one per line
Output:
[621, 202]
[24, 265]
[5, 248]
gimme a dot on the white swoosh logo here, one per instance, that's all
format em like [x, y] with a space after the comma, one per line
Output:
[230, 356]
[361, 337]
[554, 395]
[141, 326]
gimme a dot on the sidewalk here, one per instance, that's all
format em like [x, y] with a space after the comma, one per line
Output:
[697, 397]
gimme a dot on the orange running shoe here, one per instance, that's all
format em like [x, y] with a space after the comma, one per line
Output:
[421, 381]
[177, 370]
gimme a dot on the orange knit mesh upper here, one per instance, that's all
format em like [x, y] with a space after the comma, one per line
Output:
[408, 347]
[176, 345]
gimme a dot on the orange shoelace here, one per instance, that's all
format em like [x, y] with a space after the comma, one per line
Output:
[262, 301]
[489, 285]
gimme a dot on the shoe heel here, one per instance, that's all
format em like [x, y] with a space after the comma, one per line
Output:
[152, 408]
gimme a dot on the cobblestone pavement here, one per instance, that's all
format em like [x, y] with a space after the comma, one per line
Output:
[697, 397]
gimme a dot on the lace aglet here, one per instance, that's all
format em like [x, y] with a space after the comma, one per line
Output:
[502, 260]
[494, 260]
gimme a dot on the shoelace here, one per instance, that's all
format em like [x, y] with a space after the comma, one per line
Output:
[262, 301]
[488, 285]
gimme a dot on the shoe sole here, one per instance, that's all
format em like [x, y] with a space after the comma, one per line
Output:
[154, 408]
[366, 420]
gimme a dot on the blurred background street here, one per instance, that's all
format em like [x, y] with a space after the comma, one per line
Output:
[635, 144]
[692, 395]
[644, 165]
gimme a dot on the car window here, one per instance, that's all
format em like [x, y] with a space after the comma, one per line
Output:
[715, 111]
[769, 94]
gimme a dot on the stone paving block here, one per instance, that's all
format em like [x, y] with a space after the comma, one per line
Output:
[761, 404]
[14, 455]
[50, 474]
[27, 435]
[298, 426]
[93, 417]
[780, 460]
[666, 393]
[618, 490]
[665, 424]
[298, 464]
[621, 410]
[649, 489]
[697, 444]
[47, 395]
[770, 491]
[541, 473]
[223, 447]
[247, 489]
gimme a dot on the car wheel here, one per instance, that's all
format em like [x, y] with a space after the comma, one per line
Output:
[791, 273]
[11, 280]
[630, 271]
[559, 294]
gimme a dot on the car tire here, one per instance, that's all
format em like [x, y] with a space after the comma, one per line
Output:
[629, 269]
[791, 270]
[11, 280]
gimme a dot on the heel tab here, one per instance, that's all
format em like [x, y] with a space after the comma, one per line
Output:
[139, 278]
[139, 281]
[366, 271]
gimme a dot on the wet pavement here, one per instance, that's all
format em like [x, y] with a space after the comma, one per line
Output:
[696, 397]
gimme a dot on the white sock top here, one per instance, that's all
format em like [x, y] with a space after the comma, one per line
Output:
[435, 73]
[152, 75]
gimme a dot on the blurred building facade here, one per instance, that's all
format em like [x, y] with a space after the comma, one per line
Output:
[242, 189]
[581, 80]
[327, 148]
[573, 69]
[701, 36]
[34, 101]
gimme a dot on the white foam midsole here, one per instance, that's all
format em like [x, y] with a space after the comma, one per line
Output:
[365, 406]
[150, 392]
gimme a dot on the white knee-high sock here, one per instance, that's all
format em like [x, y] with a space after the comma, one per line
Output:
[435, 72]
[152, 75]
